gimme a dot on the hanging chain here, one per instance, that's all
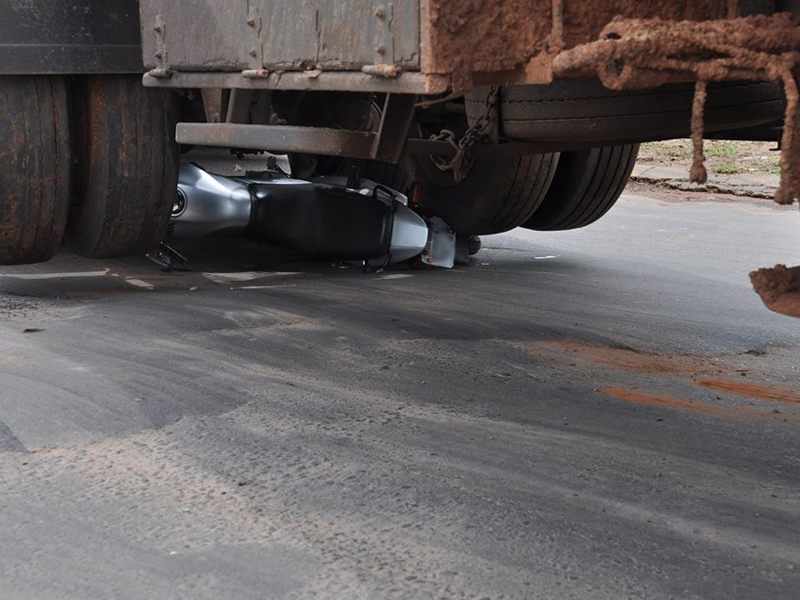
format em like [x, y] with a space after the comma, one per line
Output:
[462, 162]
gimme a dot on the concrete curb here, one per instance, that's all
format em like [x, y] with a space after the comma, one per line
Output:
[752, 186]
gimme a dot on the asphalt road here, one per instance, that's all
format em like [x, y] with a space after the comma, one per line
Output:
[606, 413]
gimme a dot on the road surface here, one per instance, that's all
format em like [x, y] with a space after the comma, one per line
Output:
[605, 413]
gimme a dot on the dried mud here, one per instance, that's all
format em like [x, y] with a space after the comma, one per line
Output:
[643, 53]
[779, 289]
[467, 37]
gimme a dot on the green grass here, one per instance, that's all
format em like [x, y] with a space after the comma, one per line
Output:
[676, 151]
[723, 157]
[774, 167]
[671, 150]
[721, 150]
[727, 168]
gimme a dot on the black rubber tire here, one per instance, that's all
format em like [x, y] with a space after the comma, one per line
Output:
[586, 185]
[129, 163]
[35, 166]
[388, 174]
[498, 194]
[586, 111]
[474, 245]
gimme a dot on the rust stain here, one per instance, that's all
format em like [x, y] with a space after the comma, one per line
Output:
[732, 413]
[668, 402]
[692, 369]
[749, 390]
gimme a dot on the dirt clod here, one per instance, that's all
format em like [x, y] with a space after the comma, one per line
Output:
[779, 289]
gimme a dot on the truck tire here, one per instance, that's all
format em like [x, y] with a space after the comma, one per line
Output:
[587, 183]
[498, 194]
[128, 164]
[586, 111]
[35, 167]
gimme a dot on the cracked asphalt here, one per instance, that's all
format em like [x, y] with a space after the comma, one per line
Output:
[604, 413]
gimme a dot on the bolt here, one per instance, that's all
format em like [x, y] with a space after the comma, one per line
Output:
[157, 28]
[253, 53]
[159, 54]
[251, 22]
[380, 50]
[380, 13]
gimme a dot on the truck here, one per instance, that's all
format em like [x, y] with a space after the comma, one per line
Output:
[487, 114]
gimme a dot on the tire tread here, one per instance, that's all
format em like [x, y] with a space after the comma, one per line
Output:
[586, 185]
[133, 164]
[35, 167]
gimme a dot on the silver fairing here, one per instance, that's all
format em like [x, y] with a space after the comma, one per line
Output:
[212, 205]
[209, 204]
[409, 234]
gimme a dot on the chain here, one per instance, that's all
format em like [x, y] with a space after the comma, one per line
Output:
[462, 162]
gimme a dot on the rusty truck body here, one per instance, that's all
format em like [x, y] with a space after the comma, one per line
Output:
[499, 113]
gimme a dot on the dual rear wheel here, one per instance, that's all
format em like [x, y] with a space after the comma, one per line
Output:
[545, 192]
[586, 185]
[90, 160]
[581, 186]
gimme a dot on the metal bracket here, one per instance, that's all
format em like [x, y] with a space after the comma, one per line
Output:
[255, 24]
[384, 40]
[398, 112]
[212, 103]
[239, 104]
[279, 139]
[384, 65]
[409, 82]
[162, 71]
[386, 71]
[255, 74]
[169, 258]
